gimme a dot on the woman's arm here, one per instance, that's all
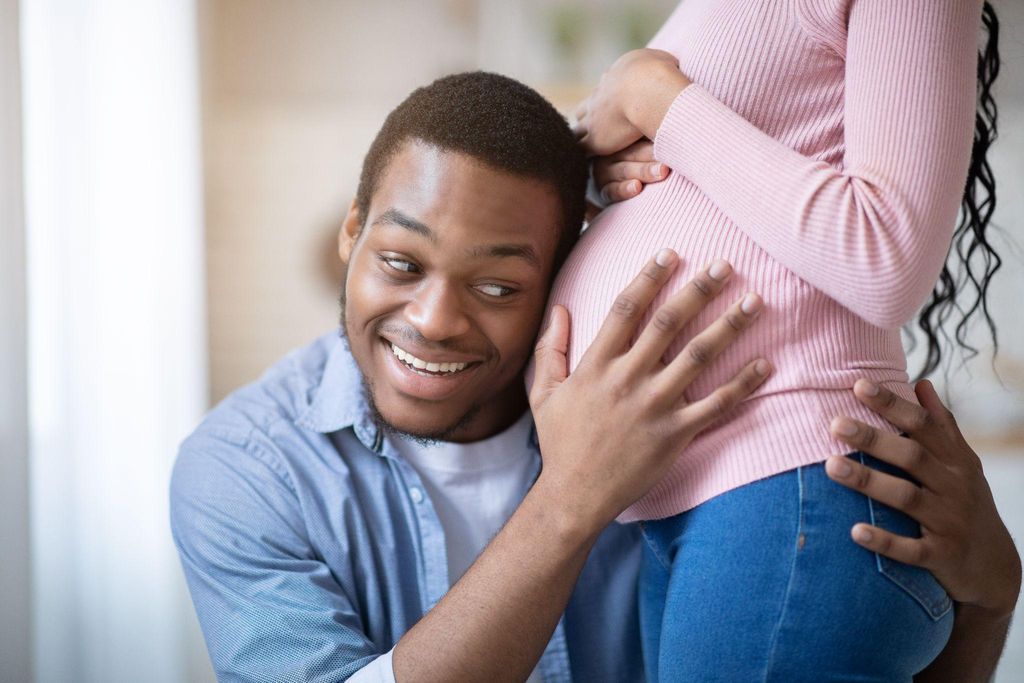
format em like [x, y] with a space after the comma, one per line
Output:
[872, 235]
[963, 542]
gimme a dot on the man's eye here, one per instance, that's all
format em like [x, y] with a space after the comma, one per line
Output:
[399, 264]
[496, 290]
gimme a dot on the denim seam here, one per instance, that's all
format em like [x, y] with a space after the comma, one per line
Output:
[935, 610]
[665, 564]
[792, 574]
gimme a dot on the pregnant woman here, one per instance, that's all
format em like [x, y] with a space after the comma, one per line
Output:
[820, 147]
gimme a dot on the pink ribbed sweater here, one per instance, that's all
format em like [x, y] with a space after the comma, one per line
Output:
[822, 150]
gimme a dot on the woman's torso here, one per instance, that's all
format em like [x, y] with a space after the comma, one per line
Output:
[777, 67]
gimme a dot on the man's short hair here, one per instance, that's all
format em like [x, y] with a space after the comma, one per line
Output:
[497, 120]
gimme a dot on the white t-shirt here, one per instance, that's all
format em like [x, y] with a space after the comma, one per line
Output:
[474, 487]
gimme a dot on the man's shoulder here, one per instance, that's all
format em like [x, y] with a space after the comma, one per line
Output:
[281, 394]
[263, 419]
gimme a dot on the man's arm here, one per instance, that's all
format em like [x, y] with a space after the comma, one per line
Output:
[963, 542]
[607, 433]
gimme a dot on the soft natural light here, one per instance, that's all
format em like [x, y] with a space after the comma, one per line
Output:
[116, 331]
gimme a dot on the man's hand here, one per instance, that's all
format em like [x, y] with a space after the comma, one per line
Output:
[607, 433]
[963, 542]
[610, 430]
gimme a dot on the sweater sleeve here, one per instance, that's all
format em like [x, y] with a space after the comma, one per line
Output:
[873, 234]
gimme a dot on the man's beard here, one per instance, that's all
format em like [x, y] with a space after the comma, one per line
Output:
[422, 438]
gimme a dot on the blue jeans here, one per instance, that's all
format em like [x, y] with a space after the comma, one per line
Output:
[764, 583]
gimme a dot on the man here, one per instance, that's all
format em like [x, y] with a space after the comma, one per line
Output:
[374, 506]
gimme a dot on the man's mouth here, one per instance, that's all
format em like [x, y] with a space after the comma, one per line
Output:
[428, 368]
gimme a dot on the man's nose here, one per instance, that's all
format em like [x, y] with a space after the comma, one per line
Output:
[436, 311]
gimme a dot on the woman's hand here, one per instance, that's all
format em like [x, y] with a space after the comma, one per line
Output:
[610, 430]
[623, 175]
[630, 101]
[964, 543]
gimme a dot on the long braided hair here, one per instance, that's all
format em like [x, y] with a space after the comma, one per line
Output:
[976, 261]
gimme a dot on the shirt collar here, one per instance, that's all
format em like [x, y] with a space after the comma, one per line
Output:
[339, 400]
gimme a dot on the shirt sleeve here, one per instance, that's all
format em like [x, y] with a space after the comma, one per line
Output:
[873, 234]
[270, 610]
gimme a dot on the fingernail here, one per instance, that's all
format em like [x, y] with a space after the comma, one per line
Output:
[634, 186]
[843, 426]
[762, 367]
[665, 257]
[654, 169]
[840, 467]
[862, 534]
[869, 388]
[719, 270]
[751, 304]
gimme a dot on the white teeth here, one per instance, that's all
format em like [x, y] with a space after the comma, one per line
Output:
[420, 364]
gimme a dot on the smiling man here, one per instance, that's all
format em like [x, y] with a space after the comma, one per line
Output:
[374, 506]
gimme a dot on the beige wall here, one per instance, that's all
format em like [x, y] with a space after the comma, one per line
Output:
[293, 94]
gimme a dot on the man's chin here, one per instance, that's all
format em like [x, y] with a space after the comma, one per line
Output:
[419, 430]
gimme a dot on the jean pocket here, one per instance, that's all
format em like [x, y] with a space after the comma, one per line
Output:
[916, 582]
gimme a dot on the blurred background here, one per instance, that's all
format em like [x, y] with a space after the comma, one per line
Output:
[172, 177]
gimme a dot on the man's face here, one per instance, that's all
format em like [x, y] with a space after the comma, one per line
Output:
[451, 269]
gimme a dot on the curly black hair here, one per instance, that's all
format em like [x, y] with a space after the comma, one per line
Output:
[972, 259]
[497, 120]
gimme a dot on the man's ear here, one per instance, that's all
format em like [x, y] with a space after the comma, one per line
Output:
[349, 232]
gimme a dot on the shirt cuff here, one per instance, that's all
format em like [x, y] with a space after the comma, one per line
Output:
[693, 115]
[377, 671]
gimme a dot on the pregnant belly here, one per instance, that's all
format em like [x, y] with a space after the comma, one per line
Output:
[626, 236]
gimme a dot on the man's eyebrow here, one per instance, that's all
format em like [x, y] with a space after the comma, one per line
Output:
[523, 251]
[395, 217]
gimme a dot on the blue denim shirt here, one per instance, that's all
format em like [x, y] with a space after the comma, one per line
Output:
[310, 546]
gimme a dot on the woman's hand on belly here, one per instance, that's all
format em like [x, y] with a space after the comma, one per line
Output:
[622, 175]
[630, 101]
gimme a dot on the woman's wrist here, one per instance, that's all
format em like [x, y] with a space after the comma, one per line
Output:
[656, 87]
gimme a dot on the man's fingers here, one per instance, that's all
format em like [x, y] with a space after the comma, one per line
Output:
[931, 402]
[916, 421]
[701, 414]
[709, 344]
[893, 491]
[907, 454]
[673, 315]
[551, 367]
[629, 307]
[915, 551]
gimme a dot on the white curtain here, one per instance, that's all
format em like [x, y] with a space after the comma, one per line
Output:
[116, 327]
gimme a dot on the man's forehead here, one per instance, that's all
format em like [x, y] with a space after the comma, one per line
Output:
[425, 186]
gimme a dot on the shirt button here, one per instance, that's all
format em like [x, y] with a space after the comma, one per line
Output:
[417, 494]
